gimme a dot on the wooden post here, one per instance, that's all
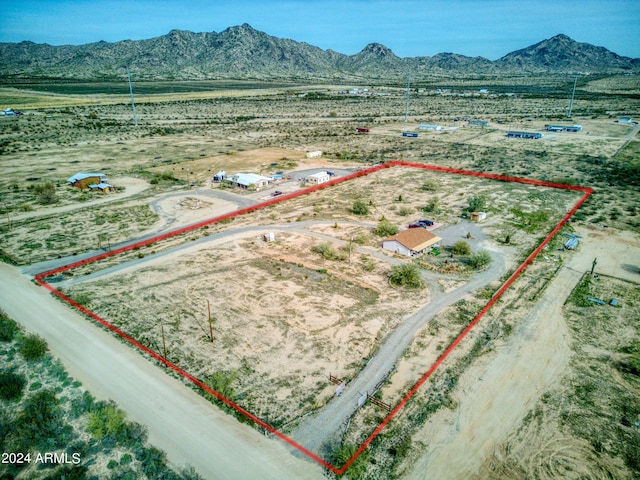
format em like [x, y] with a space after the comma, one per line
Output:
[164, 345]
[210, 322]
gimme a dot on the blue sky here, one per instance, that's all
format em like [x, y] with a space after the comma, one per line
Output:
[489, 28]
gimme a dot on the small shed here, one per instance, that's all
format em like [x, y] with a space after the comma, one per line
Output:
[314, 154]
[478, 216]
[624, 120]
[269, 237]
[220, 176]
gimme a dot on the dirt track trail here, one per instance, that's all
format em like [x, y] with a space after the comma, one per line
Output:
[323, 429]
[499, 395]
[494, 397]
[180, 422]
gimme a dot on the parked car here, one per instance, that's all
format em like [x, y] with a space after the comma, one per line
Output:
[331, 174]
[427, 223]
[276, 193]
[416, 225]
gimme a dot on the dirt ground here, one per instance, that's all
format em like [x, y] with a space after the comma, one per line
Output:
[527, 347]
[495, 395]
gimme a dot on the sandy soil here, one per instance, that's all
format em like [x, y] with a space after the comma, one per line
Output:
[180, 421]
[494, 396]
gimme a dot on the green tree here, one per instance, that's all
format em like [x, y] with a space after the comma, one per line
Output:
[477, 203]
[360, 208]
[406, 275]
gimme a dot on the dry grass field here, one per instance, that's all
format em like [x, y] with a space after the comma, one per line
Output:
[285, 316]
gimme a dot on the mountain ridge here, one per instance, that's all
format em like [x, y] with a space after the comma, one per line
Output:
[244, 52]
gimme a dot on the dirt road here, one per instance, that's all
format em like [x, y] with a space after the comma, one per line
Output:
[323, 429]
[494, 397]
[180, 422]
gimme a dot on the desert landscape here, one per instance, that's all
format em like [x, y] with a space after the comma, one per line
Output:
[545, 385]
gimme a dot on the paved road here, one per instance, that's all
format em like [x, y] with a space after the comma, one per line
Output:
[182, 423]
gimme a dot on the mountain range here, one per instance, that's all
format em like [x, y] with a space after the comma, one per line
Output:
[242, 52]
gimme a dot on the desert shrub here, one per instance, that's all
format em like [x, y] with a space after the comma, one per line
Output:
[358, 468]
[81, 298]
[406, 275]
[359, 208]
[153, 462]
[45, 193]
[106, 421]
[33, 347]
[385, 228]
[432, 206]
[40, 422]
[429, 186]
[461, 248]
[68, 472]
[8, 327]
[328, 252]
[478, 259]
[11, 385]
[405, 211]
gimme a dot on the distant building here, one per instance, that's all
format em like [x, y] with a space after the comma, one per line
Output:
[249, 180]
[84, 180]
[362, 130]
[318, 178]
[529, 135]
[479, 123]
[220, 176]
[429, 127]
[563, 128]
[410, 134]
[625, 120]
[314, 154]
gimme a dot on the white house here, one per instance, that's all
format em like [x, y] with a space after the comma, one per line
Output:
[411, 242]
[249, 180]
[320, 177]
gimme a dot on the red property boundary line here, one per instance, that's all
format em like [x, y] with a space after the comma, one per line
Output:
[40, 279]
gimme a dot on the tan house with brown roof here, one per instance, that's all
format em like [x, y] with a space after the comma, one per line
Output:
[411, 242]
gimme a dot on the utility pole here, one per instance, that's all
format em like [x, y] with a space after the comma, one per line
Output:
[133, 103]
[406, 108]
[350, 242]
[593, 265]
[210, 322]
[573, 94]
